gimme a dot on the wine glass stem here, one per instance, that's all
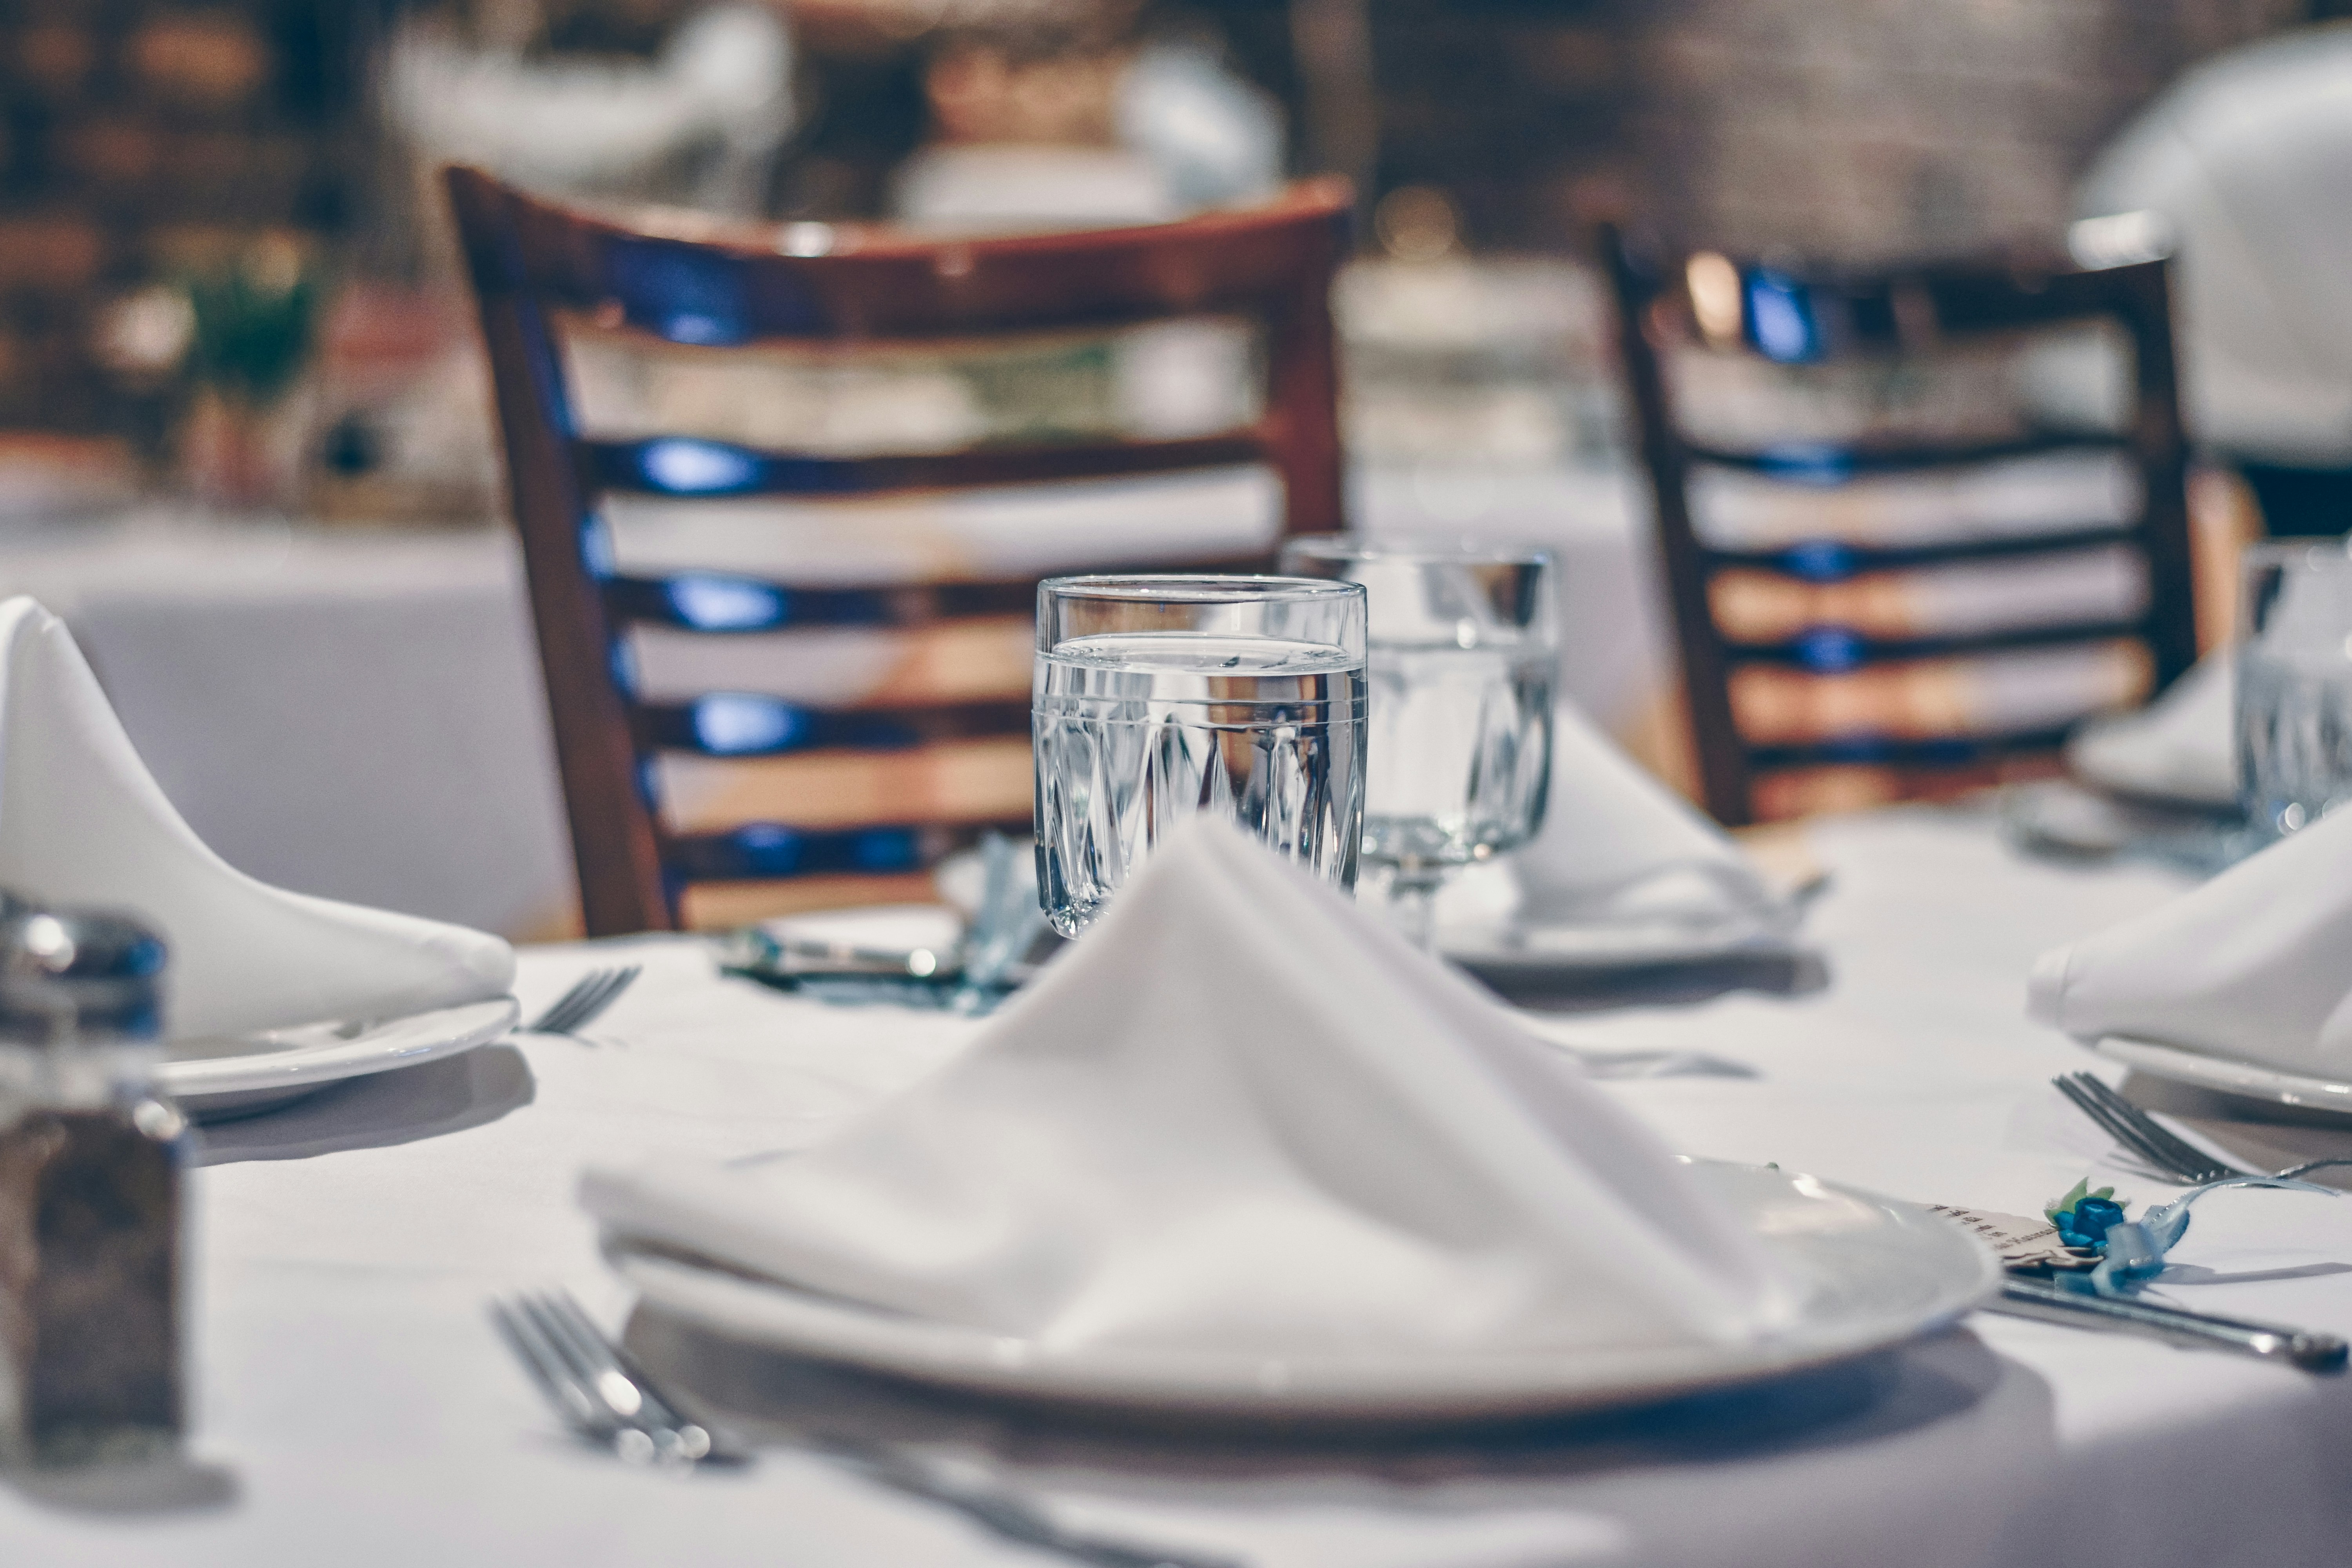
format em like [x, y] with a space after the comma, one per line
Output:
[1412, 904]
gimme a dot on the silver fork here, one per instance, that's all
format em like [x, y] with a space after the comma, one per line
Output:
[585, 1002]
[602, 1394]
[2149, 1138]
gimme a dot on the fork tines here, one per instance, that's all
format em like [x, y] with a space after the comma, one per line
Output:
[2141, 1133]
[586, 1001]
[597, 1389]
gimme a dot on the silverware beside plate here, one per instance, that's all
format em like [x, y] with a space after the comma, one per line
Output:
[603, 1395]
[988, 960]
[2168, 1153]
[2053, 1303]
[585, 1002]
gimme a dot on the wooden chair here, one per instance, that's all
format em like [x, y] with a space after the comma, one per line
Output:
[1773, 314]
[681, 279]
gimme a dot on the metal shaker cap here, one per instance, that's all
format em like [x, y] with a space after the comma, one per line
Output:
[68, 974]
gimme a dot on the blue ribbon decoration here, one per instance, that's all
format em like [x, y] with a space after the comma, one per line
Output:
[2133, 1250]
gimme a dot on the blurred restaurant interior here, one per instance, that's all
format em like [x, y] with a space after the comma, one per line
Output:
[1518, 638]
[246, 434]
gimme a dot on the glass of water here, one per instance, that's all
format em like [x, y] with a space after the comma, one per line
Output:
[2294, 684]
[1156, 699]
[1465, 649]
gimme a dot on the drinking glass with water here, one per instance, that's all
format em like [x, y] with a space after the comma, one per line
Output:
[2294, 684]
[1464, 652]
[1156, 699]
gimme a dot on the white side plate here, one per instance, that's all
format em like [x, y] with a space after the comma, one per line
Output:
[1878, 1273]
[2248, 1078]
[213, 1079]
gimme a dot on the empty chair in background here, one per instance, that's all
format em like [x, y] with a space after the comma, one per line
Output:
[743, 736]
[1888, 578]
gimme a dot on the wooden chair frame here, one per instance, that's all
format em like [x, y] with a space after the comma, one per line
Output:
[1908, 307]
[684, 279]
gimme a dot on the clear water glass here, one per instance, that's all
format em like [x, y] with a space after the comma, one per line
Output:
[1464, 653]
[1159, 698]
[2294, 684]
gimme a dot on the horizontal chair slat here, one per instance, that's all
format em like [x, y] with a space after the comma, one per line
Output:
[1836, 560]
[1832, 650]
[748, 724]
[688, 466]
[713, 282]
[1826, 463]
[733, 601]
[774, 851]
[1939, 751]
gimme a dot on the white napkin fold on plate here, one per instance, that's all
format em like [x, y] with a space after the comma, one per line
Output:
[2177, 748]
[1241, 1115]
[2256, 963]
[1617, 847]
[83, 824]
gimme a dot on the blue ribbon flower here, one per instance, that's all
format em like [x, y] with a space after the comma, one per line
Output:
[2131, 1252]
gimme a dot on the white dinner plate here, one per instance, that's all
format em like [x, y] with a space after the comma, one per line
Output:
[1876, 1273]
[218, 1077]
[2248, 1078]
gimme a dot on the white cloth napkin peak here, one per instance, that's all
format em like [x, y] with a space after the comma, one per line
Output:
[2255, 963]
[2178, 747]
[1616, 844]
[1241, 1115]
[83, 824]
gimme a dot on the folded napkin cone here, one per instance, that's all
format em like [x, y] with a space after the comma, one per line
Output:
[1617, 846]
[2255, 963]
[1240, 1116]
[82, 822]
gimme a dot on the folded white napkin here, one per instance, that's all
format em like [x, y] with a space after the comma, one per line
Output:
[82, 823]
[2255, 963]
[1241, 1115]
[1618, 848]
[2178, 747]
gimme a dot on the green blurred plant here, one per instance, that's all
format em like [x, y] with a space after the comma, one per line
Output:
[254, 323]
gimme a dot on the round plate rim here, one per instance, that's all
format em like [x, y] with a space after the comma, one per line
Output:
[2250, 1080]
[390, 1043]
[1210, 1384]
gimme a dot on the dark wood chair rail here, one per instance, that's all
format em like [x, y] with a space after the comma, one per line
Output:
[1909, 308]
[714, 285]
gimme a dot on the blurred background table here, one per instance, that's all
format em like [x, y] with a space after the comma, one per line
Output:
[357, 713]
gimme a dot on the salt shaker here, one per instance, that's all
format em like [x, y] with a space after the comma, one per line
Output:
[90, 1161]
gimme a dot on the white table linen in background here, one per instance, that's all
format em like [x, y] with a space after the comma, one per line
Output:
[358, 713]
[355, 713]
[358, 1410]
[83, 826]
[1241, 1116]
[2256, 963]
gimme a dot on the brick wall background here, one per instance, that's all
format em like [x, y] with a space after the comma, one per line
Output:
[139, 136]
[138, 139]
[1849, 128]
[1859, 127]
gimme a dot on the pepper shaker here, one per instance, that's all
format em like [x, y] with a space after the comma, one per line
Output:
[90, 1162]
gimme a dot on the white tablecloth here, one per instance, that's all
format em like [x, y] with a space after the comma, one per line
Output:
[354, 1409]
[358, 712]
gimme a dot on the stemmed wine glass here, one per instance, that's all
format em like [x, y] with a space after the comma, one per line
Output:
[1463, 651]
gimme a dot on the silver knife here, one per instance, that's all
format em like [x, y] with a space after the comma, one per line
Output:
[2272, 1341]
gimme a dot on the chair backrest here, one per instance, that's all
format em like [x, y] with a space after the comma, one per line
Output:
[2114, 497]
[682, 279]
